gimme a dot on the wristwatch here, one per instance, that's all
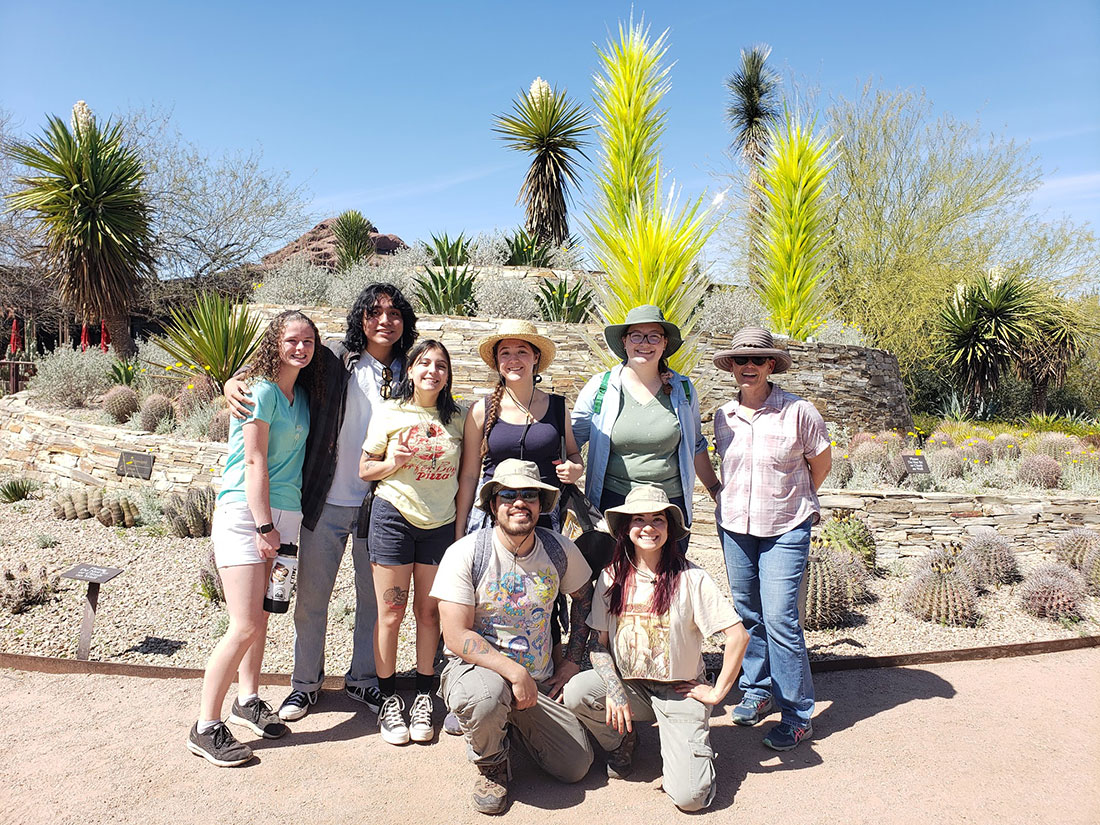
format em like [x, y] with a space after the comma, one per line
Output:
[265, 528]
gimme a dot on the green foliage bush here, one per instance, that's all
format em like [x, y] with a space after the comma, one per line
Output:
[71, 378]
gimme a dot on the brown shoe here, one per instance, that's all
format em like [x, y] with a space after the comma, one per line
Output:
[620, 762]
[491, 788]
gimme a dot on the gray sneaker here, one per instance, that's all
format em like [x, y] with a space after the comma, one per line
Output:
[491, 788]
[218, 745]
[752, 710]
[391, 722]
[258, 717]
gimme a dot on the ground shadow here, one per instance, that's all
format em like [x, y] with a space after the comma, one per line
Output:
[156, 645]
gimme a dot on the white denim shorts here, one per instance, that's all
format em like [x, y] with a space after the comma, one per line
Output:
[233, 531]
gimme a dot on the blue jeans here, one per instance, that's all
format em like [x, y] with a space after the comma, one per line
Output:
[764, 576]
[320, 551]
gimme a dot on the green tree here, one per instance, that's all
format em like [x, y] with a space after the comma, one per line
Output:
[84, 189]
[1062, 336]
[353, 240]
[547, 125]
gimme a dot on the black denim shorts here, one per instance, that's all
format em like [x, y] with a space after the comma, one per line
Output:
[392, 541]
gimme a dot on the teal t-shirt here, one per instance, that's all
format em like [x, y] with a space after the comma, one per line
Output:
[288, 426]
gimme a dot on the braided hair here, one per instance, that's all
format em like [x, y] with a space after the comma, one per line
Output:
[492, 403]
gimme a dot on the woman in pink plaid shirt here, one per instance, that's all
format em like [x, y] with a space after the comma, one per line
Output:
[775, 454]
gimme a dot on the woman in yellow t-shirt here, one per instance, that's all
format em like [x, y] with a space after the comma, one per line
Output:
[412, 450]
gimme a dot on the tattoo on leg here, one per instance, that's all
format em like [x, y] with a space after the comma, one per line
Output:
[396, 597]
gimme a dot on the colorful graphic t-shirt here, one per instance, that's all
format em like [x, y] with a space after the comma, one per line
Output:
[666, 647]
[514, 600]
[424, 489]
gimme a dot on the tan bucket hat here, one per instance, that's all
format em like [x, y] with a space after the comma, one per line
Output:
[647, 498]
[524, 331]
[515, 474]
[753, 341]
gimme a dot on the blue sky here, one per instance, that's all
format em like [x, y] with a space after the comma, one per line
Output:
[387, 108]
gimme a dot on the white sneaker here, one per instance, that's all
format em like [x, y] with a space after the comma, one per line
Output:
[420, 719]
[391, 724]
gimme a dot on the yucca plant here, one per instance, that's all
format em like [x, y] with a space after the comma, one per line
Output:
[353, 242]
[446, 252]
[124, 370]
[558, 301]
[214, 338]
[1061, 337]
[525, 249]
[17, 489]
[645, 242]
[792, 250]
[547, 125]
[85, 192]
[448, 291]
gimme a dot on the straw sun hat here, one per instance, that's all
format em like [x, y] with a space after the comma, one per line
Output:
[523, 331]
[647, 498]
[753, 341]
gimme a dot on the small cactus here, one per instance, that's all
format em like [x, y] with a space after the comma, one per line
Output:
[219, 426]
[1090, 571]
[977, 450]
[845, 531]
[118, 512]
[1072, 548]
[95, 499]
[121, 403]
[1006, 445]
[869, 455]
[210, 580]
[1040, 470]
[827, 600]
[80, 501]
[20, 590]
[994, 556]
[945, 596]
[1053, 591]
[191, 516]
[156, 409]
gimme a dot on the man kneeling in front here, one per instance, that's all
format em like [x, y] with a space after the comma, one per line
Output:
[496, 589]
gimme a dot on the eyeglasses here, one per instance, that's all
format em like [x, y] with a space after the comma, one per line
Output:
[387, 383]
[640, 337]
[511, 495]
[758, 360]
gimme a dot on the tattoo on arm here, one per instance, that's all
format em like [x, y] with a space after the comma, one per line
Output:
[396, 597]
[578, 623]
[472, 647]
[604, 664]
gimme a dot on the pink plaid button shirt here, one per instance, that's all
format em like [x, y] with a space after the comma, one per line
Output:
[767, 489]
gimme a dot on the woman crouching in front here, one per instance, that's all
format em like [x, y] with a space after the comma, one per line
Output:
[652, 611]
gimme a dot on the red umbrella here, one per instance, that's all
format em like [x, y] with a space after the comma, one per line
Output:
[84, 337]
[15, 345]
[104, 336]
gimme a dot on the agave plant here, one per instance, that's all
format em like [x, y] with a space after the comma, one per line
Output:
[353, 241]
[124, 370]
[794, 239]
[448, 291]
[446, 252]
[214, 338]
[643, 239]
[17, 489]
[525, 249]
[547, 125]
[559, 302]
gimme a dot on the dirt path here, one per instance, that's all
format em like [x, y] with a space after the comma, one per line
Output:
[1007, 741]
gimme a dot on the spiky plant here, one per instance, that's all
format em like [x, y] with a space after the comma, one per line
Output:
[443, 251]
[846, 532]
[1072, 548]
[1053, 591]
[1039, 471]
[545, 124]
[448, 291]
[558, 301]
[525, 249]
[120, 403]
[154, 410]
[640, 236]
[85, 191]
[17, 489]
[1090, 571]
[994, 556]
[353, 242]
[828, 598]
[944, 596]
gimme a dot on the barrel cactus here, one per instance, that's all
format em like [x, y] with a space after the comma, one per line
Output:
[1006, 445]
[994, 556]
[827, 602]
[1072, 548]
[845, 531]
[219, 426]
[939, 440]
[943, 595]
[190, 516]
[953, 557]
[118, 511]
[1040, 470]
[946, 462]
[1090, 571]
[77, 503]
[157, 408]
[121, 403]
[194, 394]
[1053, 591]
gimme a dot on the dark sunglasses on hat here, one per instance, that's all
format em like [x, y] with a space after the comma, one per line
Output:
[528, 494]
[758, 360]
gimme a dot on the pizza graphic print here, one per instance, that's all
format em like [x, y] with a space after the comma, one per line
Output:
[430, 442]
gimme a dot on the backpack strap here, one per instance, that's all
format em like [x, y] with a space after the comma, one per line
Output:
[597, 404]
[554, 550]
[483, 547]
[687, 389]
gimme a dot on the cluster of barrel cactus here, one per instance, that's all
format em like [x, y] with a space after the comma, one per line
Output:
[943, 590]
[993, 557]
[157, 408]
[846, 532]
[1053, 591]
[828, 598]
[121, 403]
[111, 510]
[190, 516]
[21, 589]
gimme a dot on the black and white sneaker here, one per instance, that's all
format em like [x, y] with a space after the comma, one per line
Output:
[369, 696]
[297, 704]
[420, 719]
[218, 745]
[258, 717]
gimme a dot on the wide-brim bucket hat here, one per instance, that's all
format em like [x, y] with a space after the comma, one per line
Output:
[753, 341]
[647, 498]
[524, 331]
[645, 314]
[515, 474]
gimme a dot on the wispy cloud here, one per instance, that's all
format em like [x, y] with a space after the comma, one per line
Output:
[1062, 134]
[391, 192]
[1072, 187]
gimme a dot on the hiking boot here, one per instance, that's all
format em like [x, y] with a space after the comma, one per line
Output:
[218, 745]
[451, 725]
[752, 710]
[420, 719]
[391, 724]
[258, 717]
[620, 762]
[369, 696]
[491, 788]
[785, 736]
[297, 704]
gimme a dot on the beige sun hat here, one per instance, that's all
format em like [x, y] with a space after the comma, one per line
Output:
[524, 331]
[647, 498]
[752, 341]
[516, 474]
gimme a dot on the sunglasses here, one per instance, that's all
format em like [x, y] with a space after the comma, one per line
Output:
[651, 338]
[511, 495]
[387, 383]
[758, 360]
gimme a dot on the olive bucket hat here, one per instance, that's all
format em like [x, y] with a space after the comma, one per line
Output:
[645, 314]
[515, 474]
[647, 498]
[749, 342]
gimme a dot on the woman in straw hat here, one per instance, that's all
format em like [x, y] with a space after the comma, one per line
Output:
[518, 420]
[652, 610]
[641, 419]
[775, 454]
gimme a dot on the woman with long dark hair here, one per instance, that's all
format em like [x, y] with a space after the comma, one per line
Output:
[259, 508]
[651, 612]
[412, 451]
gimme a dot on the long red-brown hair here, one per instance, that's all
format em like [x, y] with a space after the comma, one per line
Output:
[673, 562]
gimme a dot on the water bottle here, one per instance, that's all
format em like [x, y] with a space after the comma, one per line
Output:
[284, 572]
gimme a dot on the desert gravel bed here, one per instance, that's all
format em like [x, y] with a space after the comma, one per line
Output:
[154, 614]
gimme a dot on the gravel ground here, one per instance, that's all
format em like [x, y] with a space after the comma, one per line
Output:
[153, 612]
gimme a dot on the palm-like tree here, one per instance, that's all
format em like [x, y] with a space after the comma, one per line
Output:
[353, 241]
[547, 125]
[85, 192]
[752, 111]
[1061, 336]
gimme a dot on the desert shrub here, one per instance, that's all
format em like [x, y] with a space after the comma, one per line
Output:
[294, 282]
[860, 438]
[71, 378]
[946, 462]
[1006, 445]
[1039, 470]
[219, 426]
[195, 424]
[1072, 548]
[726, 309]
[836, 331]
[506, 298]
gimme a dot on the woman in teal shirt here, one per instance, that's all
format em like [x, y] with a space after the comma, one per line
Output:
[259, 508]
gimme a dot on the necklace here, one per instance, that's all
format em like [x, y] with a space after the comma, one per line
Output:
[527, 412]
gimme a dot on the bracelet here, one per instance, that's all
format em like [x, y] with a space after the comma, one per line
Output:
[716, 486]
